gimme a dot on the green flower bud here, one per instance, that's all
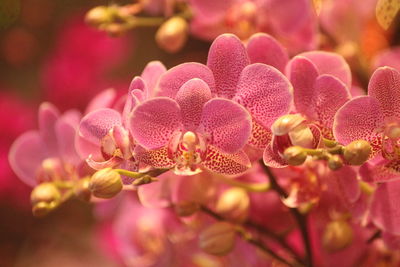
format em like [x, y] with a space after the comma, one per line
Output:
[105, 183]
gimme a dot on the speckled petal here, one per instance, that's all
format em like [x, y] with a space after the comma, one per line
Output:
[157, 158]
[26, 156]
[48, 116]
[151, 75]
[95, 125]
[263, 48]
[154, 121]
[272, 158]
[385, 212]
[265, 92]
[174, 78]
[191, 98]
[330, 63]
[104, 99]
[360, 118]
[225, 124]
[384, 85]
[229, 164]
[302, 73]
[226, 58]
[330, 95]
[260, 136]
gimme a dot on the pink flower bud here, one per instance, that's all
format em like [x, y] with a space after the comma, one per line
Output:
[357, 152]
[172, 35]
[234, 204]
[218, 239]
[105, 183]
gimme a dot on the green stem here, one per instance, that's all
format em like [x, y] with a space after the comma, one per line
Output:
[251, 187]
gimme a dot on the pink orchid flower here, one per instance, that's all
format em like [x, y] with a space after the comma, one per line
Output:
[292, 22]
[375, 118]
[320, 81]
[103, 138]
[46, 154]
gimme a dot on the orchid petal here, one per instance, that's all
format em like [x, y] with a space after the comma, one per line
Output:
[260, 136]
[265, 92]
[48, 116]
[154, 121]
[225, 124]
[158, 158]
[158, 195]
[174, 78]
[229, 164]
[66, 136]
[263, 48]
[226, 58]
[272, 158]
[385, 212]
[360, 118]
[95, 125]
[191, 98]
[99, 165]
[26, 156]
[330, 63]
[104, 99]
[384, 85]
[151, 75]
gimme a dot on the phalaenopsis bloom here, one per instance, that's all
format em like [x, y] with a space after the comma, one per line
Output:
[251, 152]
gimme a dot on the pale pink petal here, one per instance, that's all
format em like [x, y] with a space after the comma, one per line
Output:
[360, 118]
[199, 188]
[226, 58]
[158, 194]
[84, 148]
[95, 125]
[210, 9]
[66, 138]
[330, 95]
[104, 99]
[151, 75]
[157, 158]
[26, 156]
[265, 92]
[385, 212]
[174, 78]
[191, 98]
[330, 63]
[229, 164]
[263, 48]
[225, 124]
[384, 85]
[154, 121]
[48, 116]
[302, 73]
[73, 117]
[135, 95]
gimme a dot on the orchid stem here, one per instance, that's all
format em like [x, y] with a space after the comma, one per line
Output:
[300, 219]
[251, 187]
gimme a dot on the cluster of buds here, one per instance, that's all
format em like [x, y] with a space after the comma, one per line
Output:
[44, 198]
[336, 155]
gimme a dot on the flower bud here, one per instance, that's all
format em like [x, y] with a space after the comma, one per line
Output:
[357, 152]
[41, 209]
[337, 235]
[295, 155]
[234, 204]
[105, 183]
[172, 35]
[186, 208]
[284, 124]
[45, 193]
[335, 162]
[218, 239]
[82, 190]
[98, 15]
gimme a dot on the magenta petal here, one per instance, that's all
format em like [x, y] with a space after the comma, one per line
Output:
[26, 156]
[330, 95]
[151, 75]
[272, 158]
[48, 116]
[226, 58]
[263, 48]
[174, 78]
[154, 121]
[360, 118]
[157, 158]
[225, 124]
[384, 85]
[330, 63]
[191, 98]
[385, 212]
[66, 137]
[229, 164]
[265, 92]
[302, 74]
[95, 125]
[104, 99]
